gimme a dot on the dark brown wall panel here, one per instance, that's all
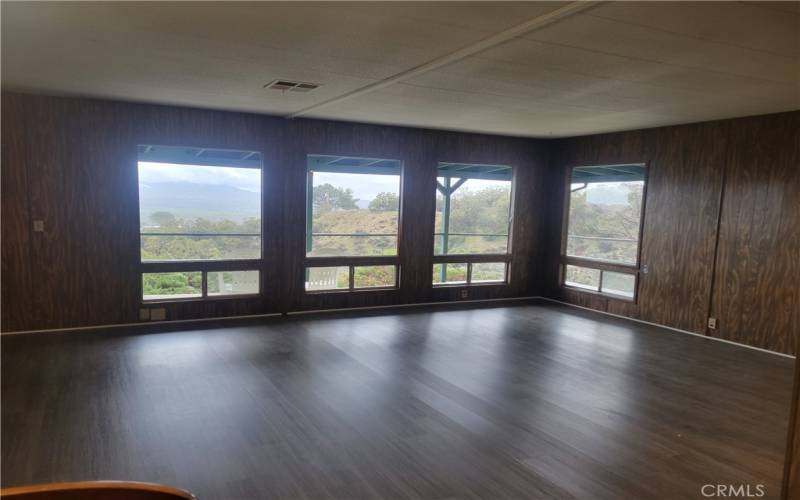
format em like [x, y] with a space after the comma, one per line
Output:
[756, 295]
[740, 175]
[72, 163]
[17, 285]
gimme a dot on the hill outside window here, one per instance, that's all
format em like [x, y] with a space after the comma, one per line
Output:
[199, 222]
[352, 223]
[601, 247]
[472, 225]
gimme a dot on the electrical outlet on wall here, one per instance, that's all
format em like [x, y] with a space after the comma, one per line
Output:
[38, 226]
[712, 323]
[464, 294]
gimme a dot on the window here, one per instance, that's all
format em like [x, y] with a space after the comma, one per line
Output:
[349, 278]
[488, 272]
[450, 274]
[223, 283]
[604, 219]
[469, 273]
[199, 206]
[168, 286]
[327, 278]
[353, 206]
[352, 222]
[473, 218]
[374, 277]
[191, 285]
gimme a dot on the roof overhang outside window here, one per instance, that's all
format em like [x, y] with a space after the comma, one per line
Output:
[353, 165]
[608, 173]
[200, 156]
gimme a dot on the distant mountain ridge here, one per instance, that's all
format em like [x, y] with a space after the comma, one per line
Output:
[189, 200]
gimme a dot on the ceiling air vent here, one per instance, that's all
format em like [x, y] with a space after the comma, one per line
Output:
[291, 86]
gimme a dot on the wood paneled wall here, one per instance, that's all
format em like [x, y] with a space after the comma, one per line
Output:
[756, 294]
[72, 163]
[721, 234]
[722, 222]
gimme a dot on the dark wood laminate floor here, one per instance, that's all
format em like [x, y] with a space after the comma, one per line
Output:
[521, 401]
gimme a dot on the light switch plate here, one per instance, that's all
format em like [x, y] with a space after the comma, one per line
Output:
[38, 226]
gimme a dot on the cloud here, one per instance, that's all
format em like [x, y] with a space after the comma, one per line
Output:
[365, 187]
[248, 179]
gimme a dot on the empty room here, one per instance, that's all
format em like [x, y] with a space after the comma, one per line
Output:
[400, 250]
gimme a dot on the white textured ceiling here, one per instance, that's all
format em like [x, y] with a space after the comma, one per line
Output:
[615, 66]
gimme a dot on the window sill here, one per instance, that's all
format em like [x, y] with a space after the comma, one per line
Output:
[145, 302]
[355, 290]
[470, 285]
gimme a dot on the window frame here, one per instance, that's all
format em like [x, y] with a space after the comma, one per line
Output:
[470, 258]
[601, 264]
[468, 281]
[204, 285]
[204, 266]
[351, 277]
[352, 262]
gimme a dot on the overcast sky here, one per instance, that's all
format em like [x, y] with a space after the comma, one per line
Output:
[364, 187]
[248, 179]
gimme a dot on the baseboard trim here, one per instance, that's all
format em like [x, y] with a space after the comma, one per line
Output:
[255, 316]
[413, 304]
[667, 327]
[141, 324]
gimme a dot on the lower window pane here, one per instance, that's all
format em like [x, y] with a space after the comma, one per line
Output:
[222, 283]
[602, 249]
[618, 284]
[583, 277]
[165, 286]
[187, 247]
[374, 276]
[470, 244]
[449, 274]
[488, 272]
[352, 246]
[327, 278]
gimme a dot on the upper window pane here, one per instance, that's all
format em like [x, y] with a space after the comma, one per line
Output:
[199, 204]
[605, 209]
[473, 209]
[353, 206]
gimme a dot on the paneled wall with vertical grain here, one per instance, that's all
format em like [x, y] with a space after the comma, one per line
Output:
[721, 226]
[72, 163]
[756, 294]
[720, 238]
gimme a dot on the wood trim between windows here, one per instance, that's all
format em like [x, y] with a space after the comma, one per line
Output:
[461, 259]
[200, 265]
[600, 264]
[374, 260]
